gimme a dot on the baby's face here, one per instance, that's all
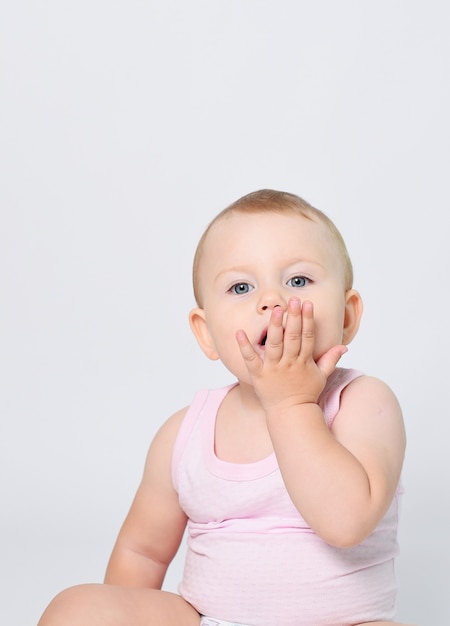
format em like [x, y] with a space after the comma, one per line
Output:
[253, 262]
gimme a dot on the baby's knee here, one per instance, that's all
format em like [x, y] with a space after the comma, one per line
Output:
[72, 607]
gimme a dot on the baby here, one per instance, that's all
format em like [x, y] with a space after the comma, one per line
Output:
[287, 479]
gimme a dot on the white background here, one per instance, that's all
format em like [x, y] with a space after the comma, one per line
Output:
[125, 127]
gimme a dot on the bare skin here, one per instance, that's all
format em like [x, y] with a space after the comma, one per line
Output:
[108, 605]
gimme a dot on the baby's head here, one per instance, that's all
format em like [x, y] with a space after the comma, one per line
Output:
[265, 248]
[271, 201]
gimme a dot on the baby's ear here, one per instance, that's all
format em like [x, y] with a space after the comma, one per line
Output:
[352, 317]
[197, 320]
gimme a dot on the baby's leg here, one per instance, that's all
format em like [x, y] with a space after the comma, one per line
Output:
[108, 605]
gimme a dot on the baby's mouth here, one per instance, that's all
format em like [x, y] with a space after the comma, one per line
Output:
[263, 339]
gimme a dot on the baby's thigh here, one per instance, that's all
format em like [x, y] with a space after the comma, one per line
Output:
[108, 605]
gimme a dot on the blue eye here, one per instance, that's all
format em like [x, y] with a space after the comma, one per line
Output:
[298, 281]
[241, 288]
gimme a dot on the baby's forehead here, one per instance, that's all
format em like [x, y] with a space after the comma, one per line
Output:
[236, 220]
[236, 236]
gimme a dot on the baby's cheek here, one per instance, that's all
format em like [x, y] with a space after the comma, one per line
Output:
[324, 342]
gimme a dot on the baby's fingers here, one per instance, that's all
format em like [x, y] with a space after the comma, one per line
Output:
[328, 361]
[307, 330]
[251, 358]
[293, 330]
[275, 333]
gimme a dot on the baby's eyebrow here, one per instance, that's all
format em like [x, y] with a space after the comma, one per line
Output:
[287, 265]
[238, 269]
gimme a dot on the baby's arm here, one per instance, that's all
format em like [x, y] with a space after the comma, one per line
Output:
[153, 529]
[342, 481]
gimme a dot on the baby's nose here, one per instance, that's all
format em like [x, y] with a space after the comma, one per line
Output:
[271, 299]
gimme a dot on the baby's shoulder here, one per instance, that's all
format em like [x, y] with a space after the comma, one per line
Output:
[371, 401]
[169, 429]
[161, 447]
[369, 388]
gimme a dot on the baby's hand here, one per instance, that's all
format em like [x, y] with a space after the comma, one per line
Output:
[288, 375]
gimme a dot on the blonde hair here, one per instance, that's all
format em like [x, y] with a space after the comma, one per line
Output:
[272, 201]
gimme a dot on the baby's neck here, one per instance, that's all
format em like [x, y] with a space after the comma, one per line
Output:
[241, 434]
[244, 400]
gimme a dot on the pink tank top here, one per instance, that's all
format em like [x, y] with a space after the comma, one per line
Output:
[251, 557]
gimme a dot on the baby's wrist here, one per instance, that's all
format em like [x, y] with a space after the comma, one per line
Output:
[277, 411]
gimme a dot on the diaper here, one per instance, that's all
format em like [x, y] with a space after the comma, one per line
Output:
[209, 621]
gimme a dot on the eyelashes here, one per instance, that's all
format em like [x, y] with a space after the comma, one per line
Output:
[298, 281]
[242, 288]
